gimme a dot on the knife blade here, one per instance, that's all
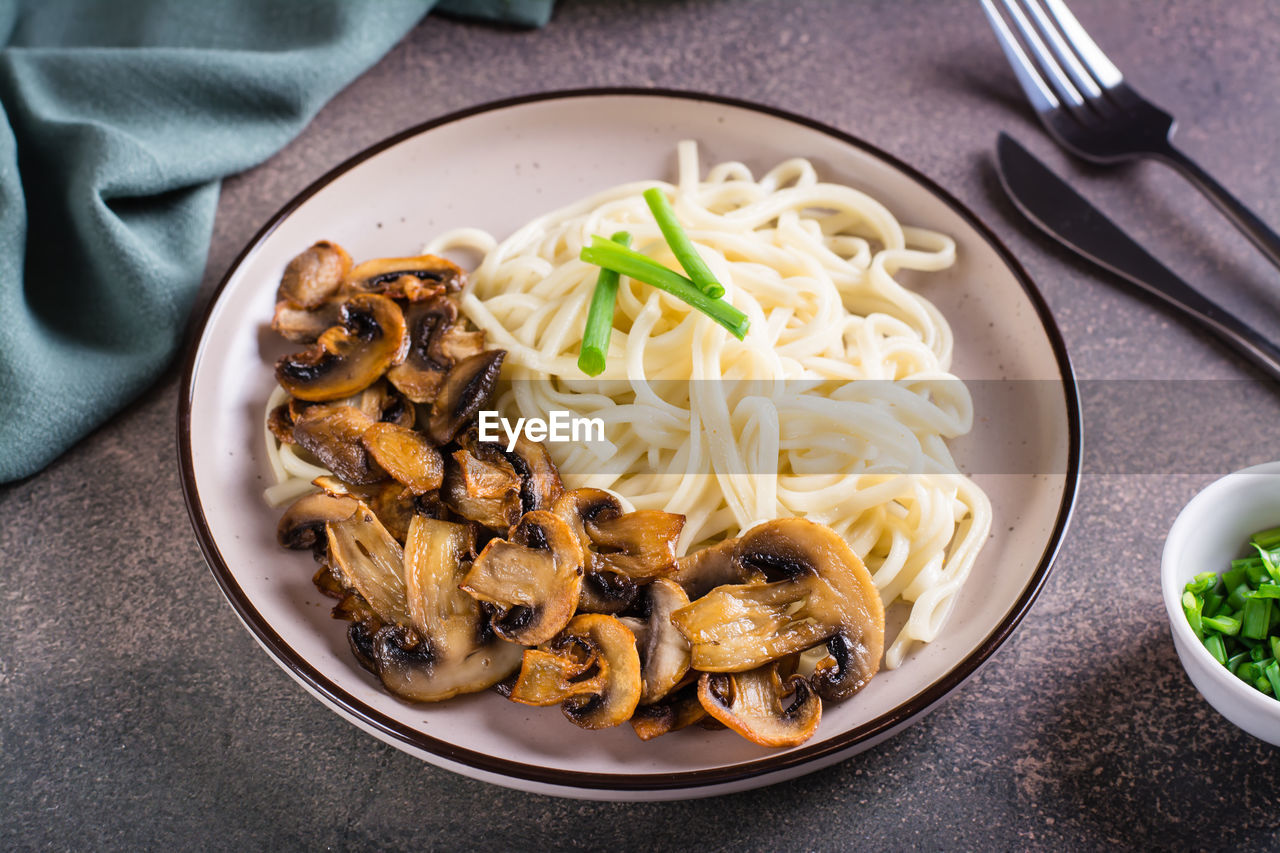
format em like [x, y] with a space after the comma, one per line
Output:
[1066, 216]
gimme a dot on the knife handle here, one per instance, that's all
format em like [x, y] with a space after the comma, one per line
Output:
[1139, 267]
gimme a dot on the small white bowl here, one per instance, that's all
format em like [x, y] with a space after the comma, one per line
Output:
[1212, 530]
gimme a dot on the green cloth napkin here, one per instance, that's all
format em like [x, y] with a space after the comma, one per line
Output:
[120, 119]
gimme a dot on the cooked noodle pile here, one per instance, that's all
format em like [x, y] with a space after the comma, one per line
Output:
[732, 432]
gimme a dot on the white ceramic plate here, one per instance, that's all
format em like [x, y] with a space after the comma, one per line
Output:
[496, 167]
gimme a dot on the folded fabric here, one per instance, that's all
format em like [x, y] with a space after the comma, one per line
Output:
[120, 119]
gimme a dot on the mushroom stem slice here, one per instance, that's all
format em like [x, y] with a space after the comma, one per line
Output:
[371, 562]
[640, 544]
[348, 357]
[487, 492]
[751, 703]
[533, 578]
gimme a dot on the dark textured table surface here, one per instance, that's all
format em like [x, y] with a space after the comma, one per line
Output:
[136, 712]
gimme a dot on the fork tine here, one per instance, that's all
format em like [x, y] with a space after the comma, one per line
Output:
[1056, 76]
[1041, 96]
[1094, 59]
[1066, 57]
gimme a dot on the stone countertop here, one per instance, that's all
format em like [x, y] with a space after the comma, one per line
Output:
[136, 712]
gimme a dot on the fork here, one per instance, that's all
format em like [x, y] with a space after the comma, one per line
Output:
[1084, 103]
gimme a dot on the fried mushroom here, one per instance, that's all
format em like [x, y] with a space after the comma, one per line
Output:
[406, 455]
[825, 595]
[467, 388]
[592, 670]
[445, 649]
[302, 525]
[752, 704]
[350, 356]
[415, 279]
[532, 578]
[437, 341]
[334, 435]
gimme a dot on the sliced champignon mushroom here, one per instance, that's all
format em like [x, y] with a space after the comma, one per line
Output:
[406, 455]
[826, 595]
[595, 649]
[437, 341]
[548, 676]
[383, 403]
[640, 545]
[674, 712]
[333, 435]
[371, 562]
[302, 525]
[415, 279]
[664, 650]
[532, 578]
[280, 422]
[348, 357]
[445, 650]
[704, 570]
[540, 484]
[467, 388]
[313, 276]
[751, 703]
[487, 493]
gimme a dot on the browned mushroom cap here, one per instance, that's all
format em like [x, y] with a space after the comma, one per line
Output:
[333, 435]
[280, 422]
[467, 388]
[444, 651]
[437, 341]
[751, 703]
[349, 357]
[595, 649]
[702, 571]
[406, 455]
[371, 562]
[486, 492]
[302, 525]
[415, 279]
[676, 711]
[313, 276]
[827, 595]
[384, 403]
[532, 578]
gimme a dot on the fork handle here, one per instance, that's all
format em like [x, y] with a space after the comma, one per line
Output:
[1267, 241]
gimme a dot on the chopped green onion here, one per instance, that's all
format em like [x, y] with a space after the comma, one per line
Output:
[1221, 624]
[1233, 662]
[1212, 603]
[1213, 643]
[1271, 567]
[1263, 685]
[1256, 571]
[1256, 619]
[1273, 675]
[1269, 539]
[681, 245]
[607, 254]
[1267, 590]
[595, 337]
[1238, 595]
[1202, 583]
[1236, 576]
[1191, 607]
[1248, 672]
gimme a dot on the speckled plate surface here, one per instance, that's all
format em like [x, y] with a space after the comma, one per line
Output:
[495, 167]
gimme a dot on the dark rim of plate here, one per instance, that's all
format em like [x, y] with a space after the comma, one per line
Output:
[819, 754]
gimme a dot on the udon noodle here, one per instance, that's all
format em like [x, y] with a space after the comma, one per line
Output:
[785, 422]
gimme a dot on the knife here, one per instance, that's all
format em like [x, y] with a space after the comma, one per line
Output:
[1069, 218]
